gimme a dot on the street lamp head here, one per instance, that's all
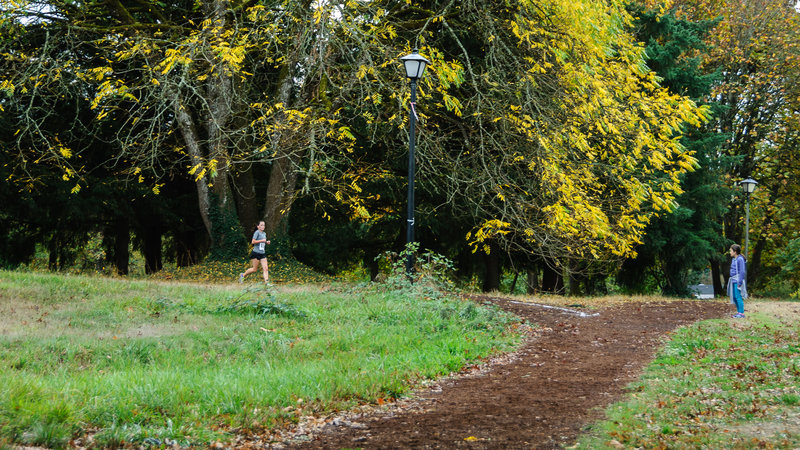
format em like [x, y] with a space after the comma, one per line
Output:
[415, 65]
[748, 185]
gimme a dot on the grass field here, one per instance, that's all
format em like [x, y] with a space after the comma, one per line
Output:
[111, 362]
[97, 361]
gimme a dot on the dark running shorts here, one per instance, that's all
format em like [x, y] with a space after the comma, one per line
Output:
[258, 256]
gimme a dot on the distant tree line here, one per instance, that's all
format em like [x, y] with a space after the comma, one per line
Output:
[566, 142]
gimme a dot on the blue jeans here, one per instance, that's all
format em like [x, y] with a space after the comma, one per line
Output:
[737, 298]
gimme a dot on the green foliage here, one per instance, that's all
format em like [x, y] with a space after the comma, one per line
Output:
[431, 274]
[227, 241]
[337, 242]
[789, 259]
[689, 237]
[673, 46]
[755, 51]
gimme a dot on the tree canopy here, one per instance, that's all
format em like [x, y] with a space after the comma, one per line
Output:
[543, 130]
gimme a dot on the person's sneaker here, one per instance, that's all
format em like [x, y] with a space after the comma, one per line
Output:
[738, 316]
[241, 278]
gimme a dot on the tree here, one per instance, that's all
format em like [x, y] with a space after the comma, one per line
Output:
[542, 129]
[688, 238]
[559, 142]
[172, 81]
[537, 134]
[755, 49]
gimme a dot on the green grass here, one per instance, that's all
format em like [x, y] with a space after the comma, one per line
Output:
[717, 384]
[154, 363]
[281, 270]
[92, 261]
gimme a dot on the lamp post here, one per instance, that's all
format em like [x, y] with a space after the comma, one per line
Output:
[415, 66]
[748, 186]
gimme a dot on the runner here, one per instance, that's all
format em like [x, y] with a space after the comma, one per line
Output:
[259, 242]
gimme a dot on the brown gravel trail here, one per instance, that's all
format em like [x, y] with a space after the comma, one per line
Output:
[571, 366]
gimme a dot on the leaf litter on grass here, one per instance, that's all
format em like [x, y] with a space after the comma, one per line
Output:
[726, 382]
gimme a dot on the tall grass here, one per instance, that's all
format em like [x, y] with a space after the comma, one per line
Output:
[140, 362]
[718, 384]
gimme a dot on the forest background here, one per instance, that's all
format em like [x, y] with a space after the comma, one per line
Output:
[582, 144]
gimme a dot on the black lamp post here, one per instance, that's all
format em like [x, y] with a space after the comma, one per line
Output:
[415, 66]
[748, 186]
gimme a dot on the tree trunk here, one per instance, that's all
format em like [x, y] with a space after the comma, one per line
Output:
[371, 263]
[122, 240]
[725, 267]
[754, 259]
[552, 280]
[52, 254]
[190, 137]
[575, 281]
[219, 94]
[116, 241]
[289, 152]
[715, 280]
[283, 176]
[220, 109]
[754, 265]
[514, 283]
[598, 285]
[246, 202]
[491, 279]
[280, 193]
[152, 248]
[187, 248]
[532, 281]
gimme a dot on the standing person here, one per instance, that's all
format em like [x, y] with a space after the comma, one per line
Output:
[259, 253]
[737, 286]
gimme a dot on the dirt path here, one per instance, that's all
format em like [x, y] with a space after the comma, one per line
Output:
[541, 397]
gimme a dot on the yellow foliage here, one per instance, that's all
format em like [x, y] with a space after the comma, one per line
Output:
[592, 166]
[7, 86]
[488, 230]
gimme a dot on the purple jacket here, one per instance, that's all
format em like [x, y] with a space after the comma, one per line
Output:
[737, 269]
